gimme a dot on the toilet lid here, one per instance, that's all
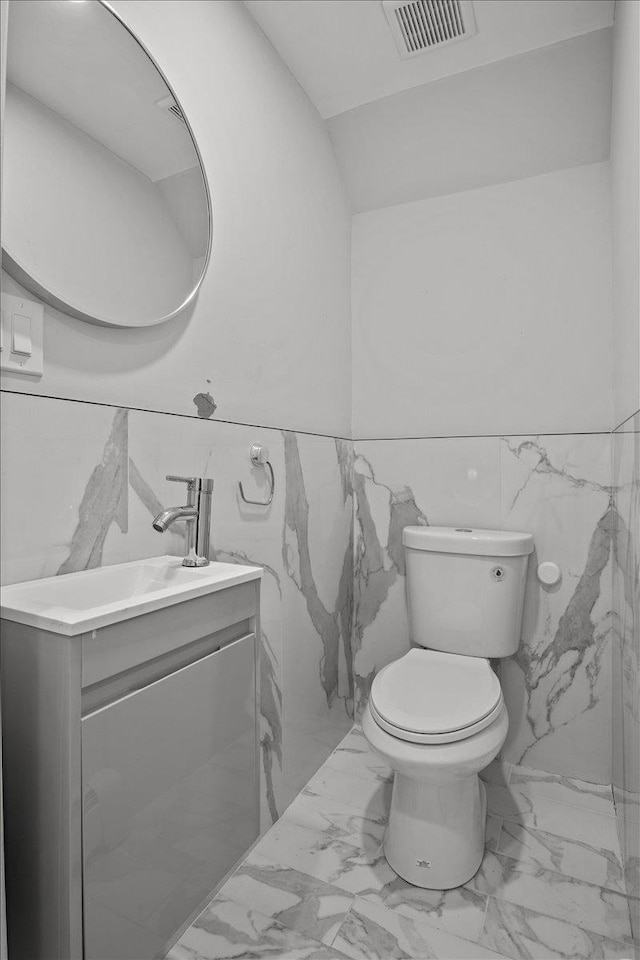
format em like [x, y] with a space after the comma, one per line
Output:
[430, 692]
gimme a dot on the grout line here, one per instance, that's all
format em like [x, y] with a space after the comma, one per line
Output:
[628, 905]
[271, 916]
[500, 831]
[523, 857]
[311, 433]
[488, 436]
[558, 873]
[484, 915]
[210, 897]
[564, 803]
[346, 803]
[172, 413]
[425, 920]
[626, 420]
[623, 941]
[370, 775]
[559, 777]
[516, 817]
[353, 896]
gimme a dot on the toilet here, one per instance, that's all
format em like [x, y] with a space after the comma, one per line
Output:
[437, 716]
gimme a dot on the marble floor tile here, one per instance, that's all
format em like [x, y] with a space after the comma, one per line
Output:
[318, 885]
[584, 861]
[372, 932]
[460, 911]
[359, 763]
[338, 821]
[226, 930]
[527, 935]
[553, 894]
[588, 796]
[294, 899]
[561, 819]
[370, 794]
[354, 755]
[331, 860]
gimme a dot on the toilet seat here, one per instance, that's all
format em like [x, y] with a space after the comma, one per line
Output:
[428, 696]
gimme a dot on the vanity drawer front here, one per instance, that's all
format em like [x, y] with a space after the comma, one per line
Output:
[170, 788]
[121, 646]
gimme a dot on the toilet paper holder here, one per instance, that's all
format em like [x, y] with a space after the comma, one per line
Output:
[259, 456]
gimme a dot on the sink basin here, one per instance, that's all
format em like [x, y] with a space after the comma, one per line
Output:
[77, 602]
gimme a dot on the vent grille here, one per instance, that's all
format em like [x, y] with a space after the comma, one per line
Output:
[419, 25]
[170, 106]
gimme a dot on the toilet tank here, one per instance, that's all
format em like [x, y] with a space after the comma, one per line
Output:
[465, 588]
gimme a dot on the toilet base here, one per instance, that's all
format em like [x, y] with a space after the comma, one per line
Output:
[445, 848]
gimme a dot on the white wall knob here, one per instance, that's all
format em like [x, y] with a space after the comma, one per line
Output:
[549, 573]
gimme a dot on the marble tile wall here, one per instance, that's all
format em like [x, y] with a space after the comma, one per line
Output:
[626, 649]
[92, 476]
[81, 482]
[557, 686]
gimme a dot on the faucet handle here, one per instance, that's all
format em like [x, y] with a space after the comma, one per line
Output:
[206, 483]
[190, 481]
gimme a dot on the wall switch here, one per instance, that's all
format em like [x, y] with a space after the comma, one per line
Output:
[22, 323]
[21, 335]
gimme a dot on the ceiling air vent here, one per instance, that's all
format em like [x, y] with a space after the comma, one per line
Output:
[170, 106]
[419, 25]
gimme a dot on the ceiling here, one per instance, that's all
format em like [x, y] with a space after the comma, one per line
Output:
[343, 54]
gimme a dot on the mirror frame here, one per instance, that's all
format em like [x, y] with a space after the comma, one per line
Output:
[16, 270]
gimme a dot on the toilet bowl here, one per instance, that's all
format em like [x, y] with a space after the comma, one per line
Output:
[437, 716]
[435, 836]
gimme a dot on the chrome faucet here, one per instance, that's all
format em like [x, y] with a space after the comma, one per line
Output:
[197, 513]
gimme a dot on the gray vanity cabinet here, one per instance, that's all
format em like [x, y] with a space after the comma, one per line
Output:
[132, 779]
[169, 786]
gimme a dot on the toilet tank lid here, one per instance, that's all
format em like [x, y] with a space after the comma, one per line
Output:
[492, 543]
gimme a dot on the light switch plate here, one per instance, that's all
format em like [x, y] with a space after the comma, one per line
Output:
[19, 363]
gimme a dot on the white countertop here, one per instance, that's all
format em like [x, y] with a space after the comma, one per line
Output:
[79, 602]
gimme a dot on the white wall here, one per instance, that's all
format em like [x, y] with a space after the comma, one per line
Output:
[277, 290]
[540, 111]
[625, 197]
[485, 312]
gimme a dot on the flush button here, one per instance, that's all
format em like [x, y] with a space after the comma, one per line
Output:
[498, 573]
[548, 573]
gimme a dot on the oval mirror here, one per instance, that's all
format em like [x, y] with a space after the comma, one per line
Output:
[106, 206]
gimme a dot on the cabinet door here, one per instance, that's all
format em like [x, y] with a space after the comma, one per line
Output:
[170, 785]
